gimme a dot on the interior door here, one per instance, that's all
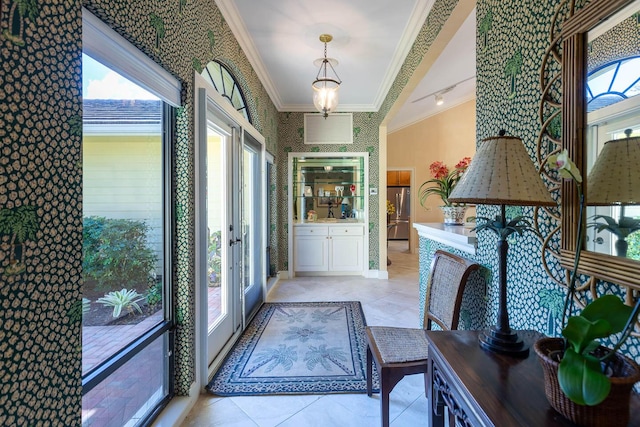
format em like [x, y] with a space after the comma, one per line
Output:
[217, 224]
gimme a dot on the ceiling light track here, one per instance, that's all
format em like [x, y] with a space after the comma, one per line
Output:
[438, 94]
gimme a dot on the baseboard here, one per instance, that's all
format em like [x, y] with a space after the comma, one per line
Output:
[377, 274]
[178, 408]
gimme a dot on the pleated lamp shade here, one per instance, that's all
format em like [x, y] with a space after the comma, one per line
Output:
[615, 177]
[502, 173]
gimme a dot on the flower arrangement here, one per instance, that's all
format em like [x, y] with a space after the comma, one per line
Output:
[582, 371]
[443, 181]
[391, 209]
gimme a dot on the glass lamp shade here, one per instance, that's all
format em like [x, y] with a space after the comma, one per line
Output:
[325, 95]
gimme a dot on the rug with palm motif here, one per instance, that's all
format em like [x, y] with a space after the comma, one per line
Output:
[298, 348]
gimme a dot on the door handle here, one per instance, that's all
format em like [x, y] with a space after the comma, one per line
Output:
[233, 242]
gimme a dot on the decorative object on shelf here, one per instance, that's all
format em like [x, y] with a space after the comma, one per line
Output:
[391, 209]
[443, 181]
[502, 173]
[308, 191]
[453, 215]
[352, 188]
[312, 216]
[325, 87]
[585, 382]
[613, 181]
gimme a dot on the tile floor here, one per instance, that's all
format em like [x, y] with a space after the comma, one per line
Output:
[385, 302]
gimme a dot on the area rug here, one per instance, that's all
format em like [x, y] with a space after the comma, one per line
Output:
[298, 348]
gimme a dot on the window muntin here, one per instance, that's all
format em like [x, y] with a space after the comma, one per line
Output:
[225, 84]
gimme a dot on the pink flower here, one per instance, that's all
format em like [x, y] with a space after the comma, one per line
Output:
[438, 170]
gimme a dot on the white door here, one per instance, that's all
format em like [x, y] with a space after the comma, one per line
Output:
[218, 228]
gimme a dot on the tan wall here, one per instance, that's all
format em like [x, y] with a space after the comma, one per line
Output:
[448, 137]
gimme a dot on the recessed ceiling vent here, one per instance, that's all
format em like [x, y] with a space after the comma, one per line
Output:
[336, 128]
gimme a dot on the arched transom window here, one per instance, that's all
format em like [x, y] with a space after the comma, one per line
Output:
[226, 85]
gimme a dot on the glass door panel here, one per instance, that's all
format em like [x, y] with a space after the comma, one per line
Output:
[252, 228]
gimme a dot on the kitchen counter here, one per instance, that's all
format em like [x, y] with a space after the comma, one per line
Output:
[457, 236]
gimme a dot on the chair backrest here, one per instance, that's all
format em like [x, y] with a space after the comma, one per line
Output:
[447, 280]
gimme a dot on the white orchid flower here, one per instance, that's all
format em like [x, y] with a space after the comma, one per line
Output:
[563, 164]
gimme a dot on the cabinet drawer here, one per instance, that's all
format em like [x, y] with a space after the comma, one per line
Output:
[346, 230]
[311, 231]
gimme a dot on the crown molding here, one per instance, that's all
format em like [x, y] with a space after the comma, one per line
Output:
[409, 35]
[236, 24]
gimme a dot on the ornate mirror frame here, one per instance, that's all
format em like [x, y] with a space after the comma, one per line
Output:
[622, 271]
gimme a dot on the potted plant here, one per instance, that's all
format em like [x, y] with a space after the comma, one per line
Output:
[442, 184]
[584, 381]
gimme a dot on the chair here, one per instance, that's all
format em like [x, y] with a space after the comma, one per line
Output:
[403, 351]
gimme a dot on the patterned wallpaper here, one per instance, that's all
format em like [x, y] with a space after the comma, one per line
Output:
[508, 97]
[40, 213]
[40, 170]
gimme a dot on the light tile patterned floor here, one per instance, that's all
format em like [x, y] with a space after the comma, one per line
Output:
[385, 302]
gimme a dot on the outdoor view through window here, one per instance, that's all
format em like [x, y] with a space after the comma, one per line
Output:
[123, 245]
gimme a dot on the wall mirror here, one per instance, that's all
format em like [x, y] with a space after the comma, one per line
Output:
[601, 99]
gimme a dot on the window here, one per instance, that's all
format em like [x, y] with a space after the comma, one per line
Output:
[222, 80]
[127, 135]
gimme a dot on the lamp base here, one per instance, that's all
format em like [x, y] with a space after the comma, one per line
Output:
[507, 343]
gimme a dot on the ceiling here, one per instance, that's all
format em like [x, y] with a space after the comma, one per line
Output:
[371, 39]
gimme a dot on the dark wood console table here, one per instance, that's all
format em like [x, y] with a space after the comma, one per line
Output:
[486, 389]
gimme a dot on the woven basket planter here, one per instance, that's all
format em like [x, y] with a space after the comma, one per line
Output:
[613, 411]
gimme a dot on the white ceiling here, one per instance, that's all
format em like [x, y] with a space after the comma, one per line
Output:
[371, 39]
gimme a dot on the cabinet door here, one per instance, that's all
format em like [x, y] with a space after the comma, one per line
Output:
[345, 253]
[404, 178]
[392, 178]
[310, 253]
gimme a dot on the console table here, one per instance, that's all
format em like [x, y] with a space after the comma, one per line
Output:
[480, 388]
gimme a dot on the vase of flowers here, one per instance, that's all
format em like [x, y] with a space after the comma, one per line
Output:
[442, 184]
[588, 383]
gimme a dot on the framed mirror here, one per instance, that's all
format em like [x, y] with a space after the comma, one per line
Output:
[601, 99]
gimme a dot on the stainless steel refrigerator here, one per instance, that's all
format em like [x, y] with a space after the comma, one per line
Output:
[398, 227]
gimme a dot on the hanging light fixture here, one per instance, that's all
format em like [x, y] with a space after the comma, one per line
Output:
[325, 88]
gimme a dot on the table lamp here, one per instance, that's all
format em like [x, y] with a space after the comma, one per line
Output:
[615, 181]
[502, 173]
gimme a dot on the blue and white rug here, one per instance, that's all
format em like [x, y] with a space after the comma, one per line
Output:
[298, 348]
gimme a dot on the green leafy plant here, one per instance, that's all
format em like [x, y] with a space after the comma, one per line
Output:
[154, 294]
[86, 305]
[581, 374]
[124, 299]
[443, 181]
[214, 258]
[115, 253]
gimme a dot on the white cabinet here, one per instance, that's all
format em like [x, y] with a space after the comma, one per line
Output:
[334, 249]
[311, 248]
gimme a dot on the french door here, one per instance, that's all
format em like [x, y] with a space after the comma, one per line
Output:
[230, 212]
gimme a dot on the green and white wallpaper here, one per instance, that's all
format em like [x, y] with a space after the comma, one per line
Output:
[41, 172]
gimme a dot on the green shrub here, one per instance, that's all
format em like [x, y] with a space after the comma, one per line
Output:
[214, 259]
[633, 251]
[154, 294]
[115, 253]
[126, 298]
